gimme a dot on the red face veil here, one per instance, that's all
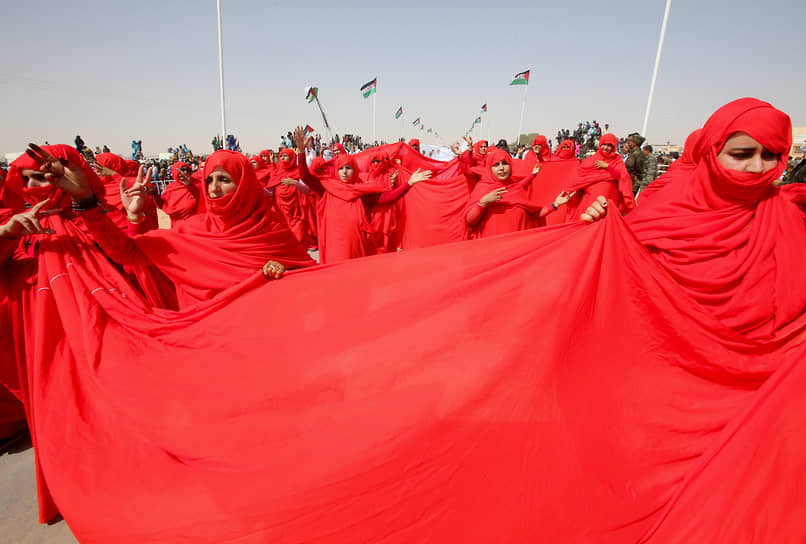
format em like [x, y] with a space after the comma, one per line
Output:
[16, 184]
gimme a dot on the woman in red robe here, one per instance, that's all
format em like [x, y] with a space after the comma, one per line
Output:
[499, 204]
[289, 197]
[721, 228]
[344, 203]
[182, 198]
[238, 234]
[602, 174]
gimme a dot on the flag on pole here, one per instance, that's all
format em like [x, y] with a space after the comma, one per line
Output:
[416, 122]
[399, 112]
[422, 127]
[311, 93]
[521, 78]
[308, 129]
[477, 121]
[428, 131]
[369, 87]
[484, 107]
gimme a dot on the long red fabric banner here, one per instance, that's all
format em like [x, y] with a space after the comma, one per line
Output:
[551, 386]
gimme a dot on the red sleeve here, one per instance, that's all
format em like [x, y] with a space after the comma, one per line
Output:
[118, 246]
[394, 194]
[307, 178]
[474, 214]
[464, 164]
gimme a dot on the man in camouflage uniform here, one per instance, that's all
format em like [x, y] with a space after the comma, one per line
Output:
[636, 160]
[651, 170]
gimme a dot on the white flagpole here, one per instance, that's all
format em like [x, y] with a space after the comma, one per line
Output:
[523, 110]
[657, 64]
[374, 96]
[221, 76]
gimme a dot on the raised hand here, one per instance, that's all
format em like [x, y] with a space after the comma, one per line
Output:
[455, 149]
[134, 198]
[418, 176]
[61, 173]
[469, 141]
[27, 222]
[493, 196]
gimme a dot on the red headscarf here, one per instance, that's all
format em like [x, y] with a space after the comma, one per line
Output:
[235, 236]
[414, 142]
[134, 167]
[340, 147]
[731, 239]
[613, 182]
[317, 164]
[477, 147]
[261, 171]
[113, 162]
[565, 151]
[545, 150]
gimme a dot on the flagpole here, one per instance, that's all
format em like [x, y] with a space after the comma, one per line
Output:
[657, 65]
[523, 110]
[374, 97]
[327, 126]
[221, 74]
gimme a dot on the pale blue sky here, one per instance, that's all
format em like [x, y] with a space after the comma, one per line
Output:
[113, 71]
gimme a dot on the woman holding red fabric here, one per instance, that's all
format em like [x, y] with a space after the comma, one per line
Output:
[182, 197]
[344, 201]
[500, 205]
[288, 191]
[237, 235]
[383, 218]
[722, 230]
[602, 174]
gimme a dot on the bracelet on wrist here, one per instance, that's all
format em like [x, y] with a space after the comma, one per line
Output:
[554, 205]
[85, 205]
[137, 219]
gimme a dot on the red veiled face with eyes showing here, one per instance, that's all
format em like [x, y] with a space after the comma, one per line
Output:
[285, 159]
[33, 178]
[254, 164]
[483, 148]
[220, 183]
[537, 148]
[743, 153]
[607, 149]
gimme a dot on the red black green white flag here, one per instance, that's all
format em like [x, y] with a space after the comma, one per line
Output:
[478, 120]
[416, 122]
[308, 129]
[399, 112]
[484, 108]
[521, 78]
[311, 93]
[369, 87]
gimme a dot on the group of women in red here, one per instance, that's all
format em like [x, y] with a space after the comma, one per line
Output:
[715, 222]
